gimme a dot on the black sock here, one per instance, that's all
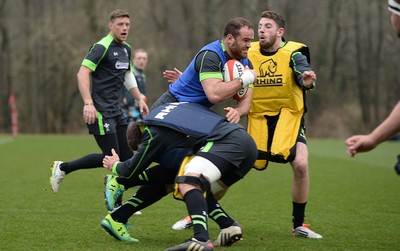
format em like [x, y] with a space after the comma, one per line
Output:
[144, 197]
[197, 208]
[89, 161]
[218, 214]
[298, 214]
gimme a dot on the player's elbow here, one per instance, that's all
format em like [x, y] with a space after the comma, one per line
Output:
[215, 99]
[81, 76]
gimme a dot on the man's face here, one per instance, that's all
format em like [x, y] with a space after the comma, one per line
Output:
[239, 46]
[119, 28]
[140, 60]
[395, 19]
[268, 33]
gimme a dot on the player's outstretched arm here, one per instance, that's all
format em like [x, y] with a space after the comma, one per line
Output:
[172, 75]
[388, 128]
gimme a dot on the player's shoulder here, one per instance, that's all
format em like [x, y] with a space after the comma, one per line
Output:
[105, 41]
[126, 44]
[294, 46]
[209, 55]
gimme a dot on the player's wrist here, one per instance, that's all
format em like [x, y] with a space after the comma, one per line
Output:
[114, 167]
[309, 86]
[247, 78]
[88, 102]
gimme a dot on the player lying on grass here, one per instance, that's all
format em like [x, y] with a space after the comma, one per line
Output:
[224, 155]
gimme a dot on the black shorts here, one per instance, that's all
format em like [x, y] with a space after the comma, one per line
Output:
[103, 126]
[234, 155]
[167, 97]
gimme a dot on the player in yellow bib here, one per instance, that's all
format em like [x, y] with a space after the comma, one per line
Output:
[276, 117]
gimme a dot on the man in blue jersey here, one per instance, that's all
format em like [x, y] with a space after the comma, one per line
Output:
[202, 82]
[224, 154]
[103, 73]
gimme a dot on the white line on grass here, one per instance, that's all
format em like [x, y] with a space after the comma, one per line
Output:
[5, 140]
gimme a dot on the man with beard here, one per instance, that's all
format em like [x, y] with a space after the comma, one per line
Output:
[276, 117]
[202, 82]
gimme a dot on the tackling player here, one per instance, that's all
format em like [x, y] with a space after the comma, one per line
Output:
[224, 155]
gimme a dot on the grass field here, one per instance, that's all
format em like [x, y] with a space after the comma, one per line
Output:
[354, 202]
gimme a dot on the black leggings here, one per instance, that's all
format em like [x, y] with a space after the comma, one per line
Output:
[116, 141]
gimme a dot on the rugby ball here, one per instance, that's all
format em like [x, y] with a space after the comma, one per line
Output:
[234, 69]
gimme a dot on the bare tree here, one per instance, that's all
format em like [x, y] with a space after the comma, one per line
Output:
[43, 43]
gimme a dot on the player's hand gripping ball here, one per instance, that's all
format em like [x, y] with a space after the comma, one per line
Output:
[233, 69]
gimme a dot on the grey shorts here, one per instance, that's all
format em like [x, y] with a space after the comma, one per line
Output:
[234, 155]
[167, 97]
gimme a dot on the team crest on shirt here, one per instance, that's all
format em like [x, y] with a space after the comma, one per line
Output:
[107, 127]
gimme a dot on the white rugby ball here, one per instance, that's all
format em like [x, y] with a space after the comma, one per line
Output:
[234, 69]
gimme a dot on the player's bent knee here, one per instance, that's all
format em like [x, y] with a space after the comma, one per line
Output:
[201, 165]
[186, 183]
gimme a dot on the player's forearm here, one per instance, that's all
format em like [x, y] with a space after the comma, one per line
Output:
[300, 65]
[389, 127]
[131, 167]
[243, 106]
[136, 93]
[217, 90]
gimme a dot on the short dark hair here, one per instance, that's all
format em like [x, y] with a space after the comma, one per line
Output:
[235, 24]
[134, 136]
[116, 14]
[278, 18]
